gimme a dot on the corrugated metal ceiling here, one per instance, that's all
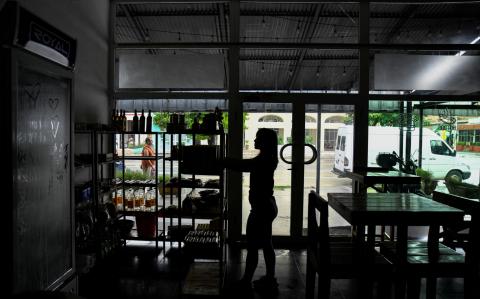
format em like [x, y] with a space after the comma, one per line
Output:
[296, 22]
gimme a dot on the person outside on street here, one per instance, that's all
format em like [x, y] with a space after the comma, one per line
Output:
[148, 166]
[263, 210]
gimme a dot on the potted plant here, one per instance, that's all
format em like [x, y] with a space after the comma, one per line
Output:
[460, 146]
[463, 189]
[476, 147]
[427, 183]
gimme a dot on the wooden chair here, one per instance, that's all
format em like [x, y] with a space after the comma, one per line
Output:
[427, 259]
[457, 236]
[424, 261]
[339, 259]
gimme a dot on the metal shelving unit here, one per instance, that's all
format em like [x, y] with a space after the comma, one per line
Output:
[95, 231]
[141, 213]
[202, 242]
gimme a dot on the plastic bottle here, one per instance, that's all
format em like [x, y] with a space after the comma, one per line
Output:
[141, 127]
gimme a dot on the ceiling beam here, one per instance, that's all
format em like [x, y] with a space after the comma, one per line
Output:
[294, 57]
[308, 33]
[191, 12]
[270, 45]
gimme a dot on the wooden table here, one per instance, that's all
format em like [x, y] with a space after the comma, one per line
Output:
[364, 179]
[398, 209]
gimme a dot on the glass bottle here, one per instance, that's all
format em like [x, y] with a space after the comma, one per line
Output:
[113, 118]
[149, 121]
[141, 128]
[124, 121]
[117, 118]
[139, 200]
[135, 122]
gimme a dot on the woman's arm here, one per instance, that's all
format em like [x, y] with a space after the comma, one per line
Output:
[243, 165]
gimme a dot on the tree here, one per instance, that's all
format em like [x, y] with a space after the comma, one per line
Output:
[386, 119]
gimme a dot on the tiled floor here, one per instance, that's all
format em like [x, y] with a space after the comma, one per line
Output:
[144, 273]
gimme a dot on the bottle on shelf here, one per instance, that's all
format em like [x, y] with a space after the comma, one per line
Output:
[149, 121]
[141, 127]
[219, 118]
[113, 118]
[135, 122]
[196, 122]
[116, 119]
[124, 121]
[181, 121]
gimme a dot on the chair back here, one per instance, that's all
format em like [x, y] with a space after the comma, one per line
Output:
[318, 231]
[471, 207]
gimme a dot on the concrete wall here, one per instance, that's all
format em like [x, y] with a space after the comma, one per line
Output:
[87, 22]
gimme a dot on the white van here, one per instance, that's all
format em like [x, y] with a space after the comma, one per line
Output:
[437, 156]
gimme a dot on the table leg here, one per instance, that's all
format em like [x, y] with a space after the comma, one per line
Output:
[401, 249]
[371, 234]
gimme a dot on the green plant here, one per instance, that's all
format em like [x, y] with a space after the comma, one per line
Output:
[309, 139]
[427, 183]
[425, 175]
[476, 143]
[136, 175]
[461, 143]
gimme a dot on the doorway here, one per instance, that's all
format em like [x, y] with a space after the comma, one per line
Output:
[297, 125]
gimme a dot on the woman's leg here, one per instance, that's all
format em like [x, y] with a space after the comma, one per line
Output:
[269, 252]
[252, 249]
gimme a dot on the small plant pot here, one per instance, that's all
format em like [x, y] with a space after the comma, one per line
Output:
[428, 186]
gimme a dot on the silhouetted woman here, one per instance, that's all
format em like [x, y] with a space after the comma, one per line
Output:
[263, 208]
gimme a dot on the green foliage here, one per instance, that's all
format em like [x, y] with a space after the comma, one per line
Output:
[424, 174]
[161, 119]
[461, 143]
[309, 139]
[476, 143]
[280, 140]
[383, 119]
[348, 120]
[392, 119]
[136, 175]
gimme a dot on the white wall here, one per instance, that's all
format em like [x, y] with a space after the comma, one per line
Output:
[87, 22]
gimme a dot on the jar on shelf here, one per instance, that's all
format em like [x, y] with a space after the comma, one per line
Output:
[117, 199]
[130, 199]
[139, 200]
[150, 200]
